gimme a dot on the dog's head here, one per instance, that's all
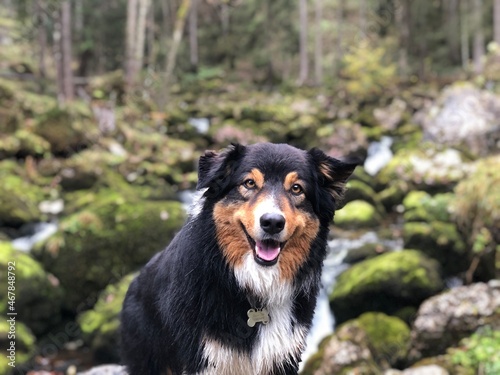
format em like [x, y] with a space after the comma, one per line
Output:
[270, 201]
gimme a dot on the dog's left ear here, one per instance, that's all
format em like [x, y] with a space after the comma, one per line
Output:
[215, 168]
[332, 173]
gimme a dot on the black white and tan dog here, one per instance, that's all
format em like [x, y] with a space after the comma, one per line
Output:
[234, 293]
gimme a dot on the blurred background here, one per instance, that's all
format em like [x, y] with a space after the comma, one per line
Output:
[105, 107]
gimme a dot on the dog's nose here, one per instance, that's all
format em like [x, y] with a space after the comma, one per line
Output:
[272, 223]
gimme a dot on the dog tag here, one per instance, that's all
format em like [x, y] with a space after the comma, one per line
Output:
[257, 316]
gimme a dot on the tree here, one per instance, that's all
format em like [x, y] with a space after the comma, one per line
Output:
[130, 43]
[304, 61]
[478, 50]
[67, 55]
[464, 33]
[318, 43]
[496, 21]
[193, 34]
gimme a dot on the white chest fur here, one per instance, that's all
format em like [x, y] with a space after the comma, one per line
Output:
[276, 341]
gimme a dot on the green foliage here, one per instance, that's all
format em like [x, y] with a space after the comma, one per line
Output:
[367, 71]
[479, 353]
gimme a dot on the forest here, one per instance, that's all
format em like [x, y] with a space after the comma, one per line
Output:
[106, 107]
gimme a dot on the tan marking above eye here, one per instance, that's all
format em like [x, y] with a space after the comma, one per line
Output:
[290, 179]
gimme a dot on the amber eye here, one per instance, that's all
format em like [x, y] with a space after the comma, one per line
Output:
[250, 184]
[296, 189]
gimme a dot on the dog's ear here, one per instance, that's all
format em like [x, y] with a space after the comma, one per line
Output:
[332, 173]
[215, 168]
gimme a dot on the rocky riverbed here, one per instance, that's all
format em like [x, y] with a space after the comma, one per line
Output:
[421, 296]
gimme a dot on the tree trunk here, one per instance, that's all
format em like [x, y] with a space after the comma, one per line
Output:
[464, 33]
[67, 55]
[402, 18]
[478, 46]
[141, 35]
[130, 45]
[451, 23]
[304, 62]
[318, 43]
[338, 49]
[496, 21]
[180, 21]
[41, 38]
[362, 18]
[193, 35]
[58, 56]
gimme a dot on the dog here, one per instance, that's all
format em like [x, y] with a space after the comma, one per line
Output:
[234, 293]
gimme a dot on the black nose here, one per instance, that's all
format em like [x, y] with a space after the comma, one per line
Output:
[272, 223]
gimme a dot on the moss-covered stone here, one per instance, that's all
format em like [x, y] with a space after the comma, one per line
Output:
[477, 213]
[359, 190]
[19, 199]
[440, 241]
[22, 143]
[366, 251]
[110, 237]
[38, 294]
[386, 283]
[66, 130]
[387, 337]
[24, 348]
[356, 214]
[421, 206]
[100, 325]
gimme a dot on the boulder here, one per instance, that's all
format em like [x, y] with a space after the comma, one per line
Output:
[440, 241]
[477, 213]
[24, 349]
[372, 342]
[443, 320]
[357, 214]
[386, 283]
[19, 199]
[428, 167]
[38, 294]
[421, 206]
[419, 370]
[100, 325]
[108, 237]
[463, 116]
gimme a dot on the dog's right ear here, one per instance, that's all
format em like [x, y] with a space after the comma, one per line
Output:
[215, 168]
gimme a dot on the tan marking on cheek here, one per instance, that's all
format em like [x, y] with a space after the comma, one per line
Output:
[305, 229]
[230, 235]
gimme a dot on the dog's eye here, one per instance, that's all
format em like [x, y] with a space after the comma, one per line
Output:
[250, 184]
[296, 189]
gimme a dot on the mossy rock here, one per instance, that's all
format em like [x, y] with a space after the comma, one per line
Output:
[66, 130]
[386, 283]
[359, 190]
[477, 212]
[387, 337]
[421, 206]
[426, 167]
[38, 294]
[19, 198]
[112, 236]
[440, 241]
[357, 214]
[25, 345]
[366, 251]
[100, 326]
[393, 195]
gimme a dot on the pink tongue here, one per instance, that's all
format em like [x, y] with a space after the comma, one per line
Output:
[267, 250]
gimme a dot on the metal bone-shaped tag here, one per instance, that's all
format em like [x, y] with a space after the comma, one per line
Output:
[257, 316]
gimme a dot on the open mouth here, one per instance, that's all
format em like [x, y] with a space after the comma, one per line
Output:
[266, 252]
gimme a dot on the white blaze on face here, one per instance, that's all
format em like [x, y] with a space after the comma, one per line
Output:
[267, 206]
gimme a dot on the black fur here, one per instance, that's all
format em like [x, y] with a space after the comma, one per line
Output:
[188, 291]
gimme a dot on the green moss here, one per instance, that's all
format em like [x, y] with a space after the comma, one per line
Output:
[387, 337]
[18, 198]
[100, 325]
[38, 294]
[421, 206]
[440, 241]
[357, 214]
[109, 237]
[25, 345]
[366, 251]
[386, 283]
